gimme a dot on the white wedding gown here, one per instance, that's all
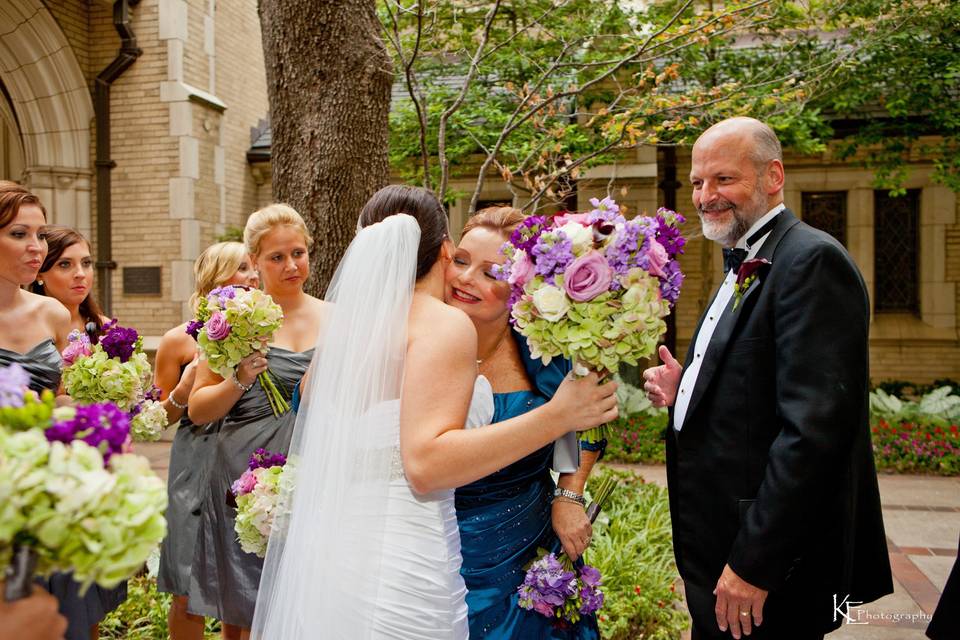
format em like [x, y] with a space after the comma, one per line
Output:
[421, 594]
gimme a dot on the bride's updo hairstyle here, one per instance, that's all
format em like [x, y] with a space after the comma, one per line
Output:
[418, 203]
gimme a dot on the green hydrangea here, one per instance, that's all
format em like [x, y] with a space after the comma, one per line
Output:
[100, 523]
[100, 378]
[149, 423]
[615, 327]
[253, 317]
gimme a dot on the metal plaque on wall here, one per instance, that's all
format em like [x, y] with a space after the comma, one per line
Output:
[141, 280]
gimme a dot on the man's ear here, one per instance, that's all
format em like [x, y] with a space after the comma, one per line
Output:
[774, 177]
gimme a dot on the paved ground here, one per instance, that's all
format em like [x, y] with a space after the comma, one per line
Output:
[922, 519]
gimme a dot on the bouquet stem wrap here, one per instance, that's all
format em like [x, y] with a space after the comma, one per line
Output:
[19, 574]
[278, 403]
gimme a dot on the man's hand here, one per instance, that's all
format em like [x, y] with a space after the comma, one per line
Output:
[739, 603]
[32, 618]
[661, 382]
[572, 526]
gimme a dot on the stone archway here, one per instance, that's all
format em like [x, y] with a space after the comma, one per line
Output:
[53, 108]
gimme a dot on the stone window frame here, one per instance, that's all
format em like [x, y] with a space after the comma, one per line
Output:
[938, 210]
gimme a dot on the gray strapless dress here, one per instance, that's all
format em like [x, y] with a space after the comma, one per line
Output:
[43, 364]
[223, 579]
[190, 457]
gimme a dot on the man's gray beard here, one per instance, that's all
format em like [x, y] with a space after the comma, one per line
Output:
[727, 234]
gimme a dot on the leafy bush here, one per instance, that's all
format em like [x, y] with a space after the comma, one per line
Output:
[633, 549]
[922, 445]
[939, 406]
[143, 615]
[637, 435]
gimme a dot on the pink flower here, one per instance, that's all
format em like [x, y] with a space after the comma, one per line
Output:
[658, 259]
[587, 277]
[564, 218]
[217, 326]
[522, 270]
[244, 484]
[75, 349]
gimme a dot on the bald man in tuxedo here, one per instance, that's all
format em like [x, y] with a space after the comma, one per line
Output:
[777, 528]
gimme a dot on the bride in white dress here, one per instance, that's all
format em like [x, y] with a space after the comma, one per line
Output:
[369, 547]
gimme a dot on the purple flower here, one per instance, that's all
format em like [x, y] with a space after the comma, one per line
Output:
[220, 295]
[670, 285]
[263, 459]
[526, 235]
[668, 232]
[244, 484]
[621, 253]
[118, 342]
[590, 594]
[14, 381]
[587, 277]
[657, 258]
[522, 269]
[551, 255]
[217, 326]
[101, 425]
[78, 346]
[193, 328]
[546, 586]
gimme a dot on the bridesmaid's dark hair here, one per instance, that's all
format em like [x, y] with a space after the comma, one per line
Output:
[12, 197]
[422, 205]
[59, 239]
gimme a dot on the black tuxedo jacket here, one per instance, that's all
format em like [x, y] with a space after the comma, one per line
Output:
[772, 472]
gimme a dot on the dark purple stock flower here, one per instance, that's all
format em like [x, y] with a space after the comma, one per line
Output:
[118, 342]
[527, 233]
[263, 459]
[101, 425]
[669, 234]
[193, 328]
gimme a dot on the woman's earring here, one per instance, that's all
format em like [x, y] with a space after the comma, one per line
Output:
[40, 282]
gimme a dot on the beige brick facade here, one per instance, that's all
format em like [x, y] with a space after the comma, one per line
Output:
[180, 127]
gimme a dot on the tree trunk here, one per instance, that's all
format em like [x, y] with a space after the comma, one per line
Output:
[328, 79]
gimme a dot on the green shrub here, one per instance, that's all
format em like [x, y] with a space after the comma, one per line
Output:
[637, 439]
[633, 549]
[143, 615]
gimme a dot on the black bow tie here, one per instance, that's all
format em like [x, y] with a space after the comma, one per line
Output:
[733, 258]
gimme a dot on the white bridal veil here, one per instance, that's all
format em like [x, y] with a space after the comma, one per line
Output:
[322, 566]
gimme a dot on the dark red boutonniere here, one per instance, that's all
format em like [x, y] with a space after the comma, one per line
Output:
[748, 272]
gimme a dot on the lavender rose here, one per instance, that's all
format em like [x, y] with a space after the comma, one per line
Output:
[658, 257]
[217, 326]
[523, 270]
[587, 277]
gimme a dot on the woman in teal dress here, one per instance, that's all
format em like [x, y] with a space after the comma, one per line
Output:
[506, 517]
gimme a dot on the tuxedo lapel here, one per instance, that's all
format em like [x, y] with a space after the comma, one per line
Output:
[730, 317]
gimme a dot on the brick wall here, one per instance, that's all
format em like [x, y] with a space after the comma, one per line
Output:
[239, 49]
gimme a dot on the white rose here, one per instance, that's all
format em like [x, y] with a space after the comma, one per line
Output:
[551, 302]
[580, 236]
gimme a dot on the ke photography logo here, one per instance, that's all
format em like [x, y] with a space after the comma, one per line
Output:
[851, 612]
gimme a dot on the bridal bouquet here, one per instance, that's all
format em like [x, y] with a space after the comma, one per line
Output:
[116, 370]
[257, 493]
[593, 287]
[560, 589]
[71, 498]
[233, 322]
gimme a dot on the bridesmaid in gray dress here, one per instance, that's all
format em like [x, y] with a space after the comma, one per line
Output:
[67, 276]
[223, 579]
[193, 446]
[33, 331]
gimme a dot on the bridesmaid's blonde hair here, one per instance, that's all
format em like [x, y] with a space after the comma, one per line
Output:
[262, 222]
[215, 266]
